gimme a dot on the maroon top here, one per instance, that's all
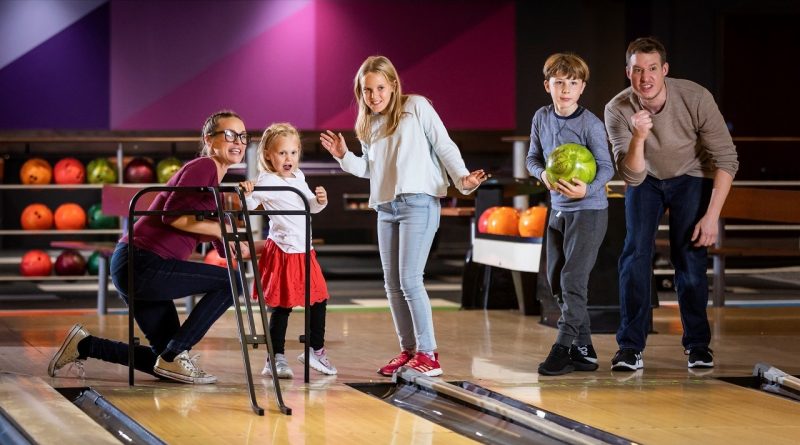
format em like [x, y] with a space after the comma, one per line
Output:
[153, 232]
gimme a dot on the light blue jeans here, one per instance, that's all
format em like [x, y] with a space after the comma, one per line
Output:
[406, 227]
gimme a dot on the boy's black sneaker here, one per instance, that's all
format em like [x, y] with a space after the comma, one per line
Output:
[627, 359]
[700, 357]
[557, 362]
[583, 357]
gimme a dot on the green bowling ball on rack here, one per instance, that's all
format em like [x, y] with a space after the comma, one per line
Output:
[93, 263]
[98, 220]
[101, 171]
[166, 168]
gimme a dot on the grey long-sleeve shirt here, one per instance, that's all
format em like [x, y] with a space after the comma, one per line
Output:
[549, 130]
[689, 135]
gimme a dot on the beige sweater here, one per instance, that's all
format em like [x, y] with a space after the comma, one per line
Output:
[689, 135]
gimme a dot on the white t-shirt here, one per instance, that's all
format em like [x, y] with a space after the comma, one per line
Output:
[287, 231]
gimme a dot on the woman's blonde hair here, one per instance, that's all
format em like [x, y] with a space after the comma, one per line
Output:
[268, 140]
[394, 110]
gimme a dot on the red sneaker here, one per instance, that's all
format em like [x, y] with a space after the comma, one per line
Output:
[396, 363]
[422, 363]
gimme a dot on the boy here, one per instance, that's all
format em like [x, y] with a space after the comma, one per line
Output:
[579, 211]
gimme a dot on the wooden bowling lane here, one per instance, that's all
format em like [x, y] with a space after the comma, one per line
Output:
[324, 412]
[44, 415]
[499, 350]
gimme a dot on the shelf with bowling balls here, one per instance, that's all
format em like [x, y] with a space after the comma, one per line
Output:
[67, 264]
[70, 171]
[47, 213]
[509, 238]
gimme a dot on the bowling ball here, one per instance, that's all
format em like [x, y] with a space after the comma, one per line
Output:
[36, 217]
[139, 171]
[483, 221]
[213, 258]
[569, 161]
[70, 262]
[36, 171]
[70, 216]
[69, 171]
[503, 221]
[93, 263]
[35, 263]
[532, 222]
[97, 220]
[166, 168]
[101, 171]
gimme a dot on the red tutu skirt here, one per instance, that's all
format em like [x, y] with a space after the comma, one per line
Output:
[282, 277]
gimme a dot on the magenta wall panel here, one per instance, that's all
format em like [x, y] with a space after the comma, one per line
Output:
[167, 65]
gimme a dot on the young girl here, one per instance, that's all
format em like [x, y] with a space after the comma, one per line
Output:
[407, 156]
[282, 260]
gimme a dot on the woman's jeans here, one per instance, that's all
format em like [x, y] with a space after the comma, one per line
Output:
[406, 227]
[686, 198]
[157, 282]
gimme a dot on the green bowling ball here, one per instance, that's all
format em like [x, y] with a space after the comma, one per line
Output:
[101, 171]
[166, 168]
[93, 263]
[98, 220]
[569, 161]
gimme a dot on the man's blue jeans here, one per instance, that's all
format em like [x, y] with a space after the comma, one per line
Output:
[686, 198]
[406, 227]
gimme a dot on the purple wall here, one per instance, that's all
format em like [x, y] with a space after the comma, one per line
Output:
[132, 65]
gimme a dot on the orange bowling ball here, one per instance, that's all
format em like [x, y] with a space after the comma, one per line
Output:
[36, 171]
[483, 221]
[503, 221]
[36, 216]
[70, 216]
[213, 258]
[69, 171]
[533, 221]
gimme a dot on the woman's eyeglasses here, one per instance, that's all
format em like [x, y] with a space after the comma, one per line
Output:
[231, 136]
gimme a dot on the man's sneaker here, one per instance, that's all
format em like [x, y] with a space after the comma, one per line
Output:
[395, 363]
[584, 358]
[183, 369]
[700, 357]
[281, 366]
[319, 362]
[68, 352]
[423, 364]
[557, 362]
[627, 359]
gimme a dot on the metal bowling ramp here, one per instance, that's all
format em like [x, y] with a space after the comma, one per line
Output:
[481, 414]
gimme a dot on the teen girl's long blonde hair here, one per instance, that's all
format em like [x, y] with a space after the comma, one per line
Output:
[394, 110]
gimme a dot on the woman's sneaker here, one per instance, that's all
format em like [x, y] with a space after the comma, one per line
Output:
[319, 361]
[584, 358]
[183, 369]
[68, 354]
[395, 363]
[423, 364]
[281, 366]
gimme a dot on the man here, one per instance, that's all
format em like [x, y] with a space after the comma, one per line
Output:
[674, 151]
